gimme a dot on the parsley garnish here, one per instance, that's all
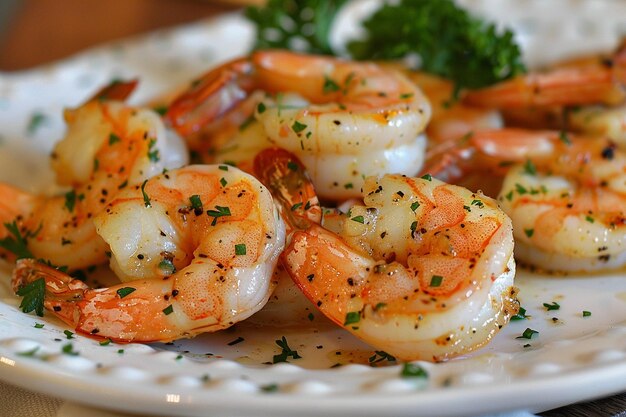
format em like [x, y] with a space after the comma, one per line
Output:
[521, 315]
[380, 356]
[358, 219]
[113, 138]
[298, 127]
[286, 351]
[218, 212]
[168, 310]
[123, 292]
[16, 244]
[528, 334]
[272, 32]
[553, 306]
[68, 349]
[240, 249]
[33, 294]
[68, 334]
[36, 121]
[352, 317]
[586, 313]
[436, 280]
[413, 370]
[146, 199]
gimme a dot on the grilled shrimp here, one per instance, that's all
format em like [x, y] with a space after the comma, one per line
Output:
[109, 146]
[344, 120]
[421, 270]
[195, 247]
[566, 194]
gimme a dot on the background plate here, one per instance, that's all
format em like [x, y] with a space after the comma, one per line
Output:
[571, 359]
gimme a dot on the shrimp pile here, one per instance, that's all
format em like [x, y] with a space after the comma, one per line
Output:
[415, 266]
[344, 120]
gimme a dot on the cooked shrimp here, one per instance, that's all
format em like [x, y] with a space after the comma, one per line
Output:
[108, 146]
[422, 270]
[345, 120]
[565, 194]
[196, 248]
[601, 80]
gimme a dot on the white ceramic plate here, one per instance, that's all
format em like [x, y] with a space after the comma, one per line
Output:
[572, 358]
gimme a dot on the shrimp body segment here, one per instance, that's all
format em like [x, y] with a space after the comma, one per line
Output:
[108, 147]
[344, 120]
[196, 248]
[422, 270]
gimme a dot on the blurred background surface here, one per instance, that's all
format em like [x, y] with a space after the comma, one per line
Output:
[35, 32]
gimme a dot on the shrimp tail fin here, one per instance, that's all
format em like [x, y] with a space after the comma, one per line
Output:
[62, 292]
[288, 181]
[211, 96]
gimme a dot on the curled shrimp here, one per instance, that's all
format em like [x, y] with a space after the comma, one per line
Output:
[344, 120]
[566, 194]
[108, 147]
[421, 270]
[598, 80]
[196, 248]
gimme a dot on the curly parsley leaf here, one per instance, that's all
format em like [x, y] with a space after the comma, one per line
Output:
[302, 25]
[33, 295]
[448, 40]
[15, 242]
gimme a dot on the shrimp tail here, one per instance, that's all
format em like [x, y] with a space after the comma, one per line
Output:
[62, 291]
[289, 182]
[211, 96]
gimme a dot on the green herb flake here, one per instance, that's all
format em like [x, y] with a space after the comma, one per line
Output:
[589, 219]
[358, 219]
[296, 206]
[521, 315]
[223, 182]
[292, 166]
[352, 317]
[15, 242]
[260, 108]
[70, 200]
[68, 349]
[553, 306]
[37, 120]
[68, 334]
[311, 316]
[528, 334]
[105, 342]
[146, 199]
[38, 326]
[529, 168]
[330, 86]
[160, 110]
[413, 370]
[286, 353]
[196, 203]
[123, 292]
[113, 139]
[415, 206]
[564, 137]
[219, 211]
[269, 388]
[380, 356]
[240, 249]
[29, 353]
[427, 177]
[436, 280]
[529, 232]
[223, 167]
[586, 313]
[33, 296]
[298, 127]
[120, 351]
[168, 310]
[153, 153]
